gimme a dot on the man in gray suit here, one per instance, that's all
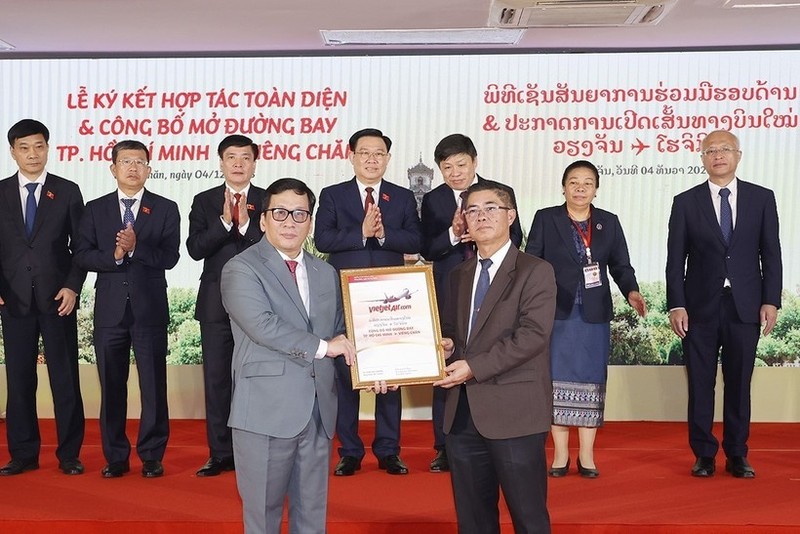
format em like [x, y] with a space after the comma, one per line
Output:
[286, 315]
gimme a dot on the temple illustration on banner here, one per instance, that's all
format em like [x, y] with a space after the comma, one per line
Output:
[420, 178]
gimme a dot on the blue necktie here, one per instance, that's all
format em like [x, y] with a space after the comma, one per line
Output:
[127, 217]
[30, 208]
[725, 214]
[480, 290]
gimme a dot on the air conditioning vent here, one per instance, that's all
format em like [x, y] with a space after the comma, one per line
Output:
[564, 13]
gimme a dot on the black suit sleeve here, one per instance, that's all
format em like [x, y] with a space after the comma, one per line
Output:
[619, 262]
[677, 250]
[89, 255]
[206, 232]
[771, 262]
[535, 244]
[76, 275]
[435, 230]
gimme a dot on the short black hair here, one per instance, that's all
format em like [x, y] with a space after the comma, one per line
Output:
[129, 144]
[368, 132]
[237, 141]
[282, 185]
[581, 164]
[454, 144]
[505, 193]
[25, 128]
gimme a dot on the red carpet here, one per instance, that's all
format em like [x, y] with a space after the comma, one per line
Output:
[644, 487]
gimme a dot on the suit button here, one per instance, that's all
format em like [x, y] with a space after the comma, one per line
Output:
[125, 283]
[28, 267]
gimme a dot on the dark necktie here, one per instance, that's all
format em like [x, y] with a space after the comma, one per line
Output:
[235, 212]
[127, 217]
[369, 200]
[469, 247]
[480, 290]
[725, 214]
[292, 265]
[30, 208]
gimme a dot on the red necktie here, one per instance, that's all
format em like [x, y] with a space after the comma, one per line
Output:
[292, 265]
[469, 248]
[235, 212]
[369, 200]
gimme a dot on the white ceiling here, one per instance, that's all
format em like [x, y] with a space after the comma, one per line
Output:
[169, 27]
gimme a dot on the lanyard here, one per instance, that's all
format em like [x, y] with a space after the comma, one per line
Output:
[585, 236]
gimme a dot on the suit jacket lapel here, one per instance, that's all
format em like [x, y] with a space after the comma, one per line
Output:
[599, 227]
[145, 212]
[251, 200]
[217, 198]
[744, 211]
[47, 199]
[465, 283]
[497, 287]
[564, 228]
[449, 203]
[14, 203]
[383, 199]
[274, 262]
[315, 286]
[706, 207]
[114, 212]
[353, 198]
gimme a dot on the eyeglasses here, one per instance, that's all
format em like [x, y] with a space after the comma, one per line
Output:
[365, 155]
[491, 212]
[281, 214]
[724, 151]
[129, 162]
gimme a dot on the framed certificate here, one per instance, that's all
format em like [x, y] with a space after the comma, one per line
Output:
[393, 320]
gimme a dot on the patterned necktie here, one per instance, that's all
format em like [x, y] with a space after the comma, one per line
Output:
[127, 217]
[725, 214]
[469, 247]
[369, 200]
[30, 208]
[292, 265]
[235, 212]
[480, 290]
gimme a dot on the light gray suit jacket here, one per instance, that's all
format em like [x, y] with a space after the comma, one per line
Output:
[275, 375]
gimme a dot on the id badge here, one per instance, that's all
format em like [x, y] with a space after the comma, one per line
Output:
[591, 276]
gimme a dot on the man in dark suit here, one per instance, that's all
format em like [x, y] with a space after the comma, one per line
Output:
[724, 275]
[446, 242]
[223, 221]
[285, 307]
[39, 287]
[496, 329]
[367, 222]
[129, 238]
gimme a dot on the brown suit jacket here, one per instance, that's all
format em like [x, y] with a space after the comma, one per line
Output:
[511, 394]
